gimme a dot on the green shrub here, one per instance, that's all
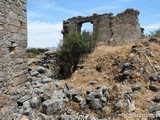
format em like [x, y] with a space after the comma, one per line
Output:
[88, 40]
[32, 52]
[74, 46]
[156, 33]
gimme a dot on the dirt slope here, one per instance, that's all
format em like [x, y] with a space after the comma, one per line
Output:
[105, 66]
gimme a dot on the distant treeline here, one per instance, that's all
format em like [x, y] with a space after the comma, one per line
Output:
[32, 52]
[155, 33]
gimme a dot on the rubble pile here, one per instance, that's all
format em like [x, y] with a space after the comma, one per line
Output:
[112, 84]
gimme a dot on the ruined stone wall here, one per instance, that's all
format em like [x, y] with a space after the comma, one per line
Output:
[13, 41]
[113, 30]
[125, 27]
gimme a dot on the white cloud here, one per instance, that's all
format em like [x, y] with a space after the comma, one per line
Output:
[111, 5]
[43, 34]
[107, 7]
[31, 14]
[43, 4]
[47, 5]
[68, 11]
[152, 26]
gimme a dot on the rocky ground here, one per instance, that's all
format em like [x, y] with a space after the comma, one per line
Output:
[113, 83]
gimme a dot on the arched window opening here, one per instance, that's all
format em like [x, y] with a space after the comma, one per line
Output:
[87, 27]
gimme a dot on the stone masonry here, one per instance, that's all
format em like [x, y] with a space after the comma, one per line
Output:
[113, 30]
[13, 41]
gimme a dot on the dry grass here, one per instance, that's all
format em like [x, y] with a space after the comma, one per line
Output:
[99, 71]
[103, 57]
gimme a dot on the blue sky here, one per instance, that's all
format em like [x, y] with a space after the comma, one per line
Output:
[45, 17]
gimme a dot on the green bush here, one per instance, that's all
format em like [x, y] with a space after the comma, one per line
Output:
[32, 52]
[156, 33]
[74, 46]
[88, 40]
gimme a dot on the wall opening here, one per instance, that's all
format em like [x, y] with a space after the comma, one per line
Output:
[11, 49]
[88, 26]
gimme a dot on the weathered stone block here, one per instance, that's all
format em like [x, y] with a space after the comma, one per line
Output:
[35, 102]
[50, 107]
[23, 99]
[20, 79]
[13, 15]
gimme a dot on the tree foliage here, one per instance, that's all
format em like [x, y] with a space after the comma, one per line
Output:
[73, 47]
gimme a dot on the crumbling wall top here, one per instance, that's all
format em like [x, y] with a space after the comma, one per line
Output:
[122, 28]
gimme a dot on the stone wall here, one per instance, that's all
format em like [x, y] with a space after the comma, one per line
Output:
[113, 30]
[13, 41]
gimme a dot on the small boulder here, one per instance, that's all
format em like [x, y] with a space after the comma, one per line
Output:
[154, 88]
[59, 94]
[68, 117]
[127, 74]
[23, 99]
[103, 99]
[154, 108]
[157, 99]
[154, 77]
[107, 110]
[25, 117]
[90, 117]
[100, 92]
[40, 69]
[35, 102]
[46, 80]
[95, 104]
[136, 87]
[26, 108]
[50, 107]
[90, 96]
[33, 72]
[121, 105]
[126, 65]
[131, 55]
[42, 116]
[71, 94]
[145, 43]
[78, 98]
[131, 107]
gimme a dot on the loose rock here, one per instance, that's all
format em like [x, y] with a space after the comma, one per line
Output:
[50, 107]
[154, 108]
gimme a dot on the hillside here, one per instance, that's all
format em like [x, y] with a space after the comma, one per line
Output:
[112, 83]
[132, 69]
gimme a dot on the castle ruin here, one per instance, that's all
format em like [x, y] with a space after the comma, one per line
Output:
[13, 41]
[113, 30]
[122, 28]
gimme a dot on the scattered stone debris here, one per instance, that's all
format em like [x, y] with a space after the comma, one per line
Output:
[111, 82]
[119, 87]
